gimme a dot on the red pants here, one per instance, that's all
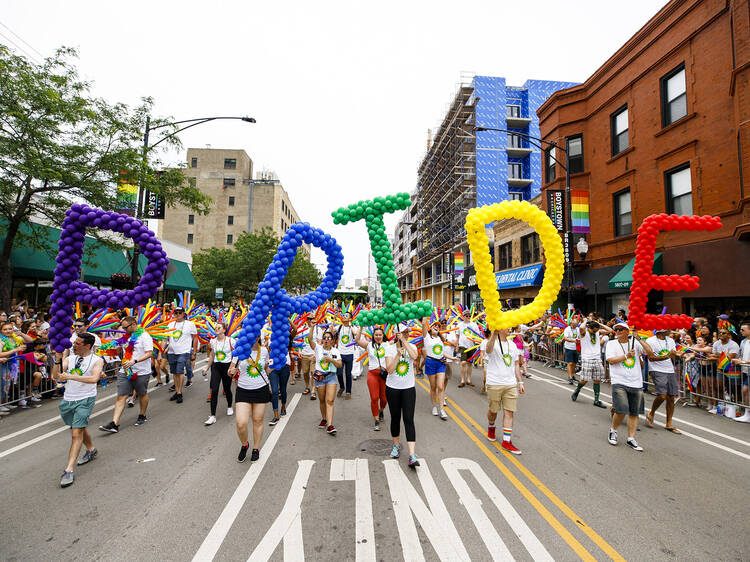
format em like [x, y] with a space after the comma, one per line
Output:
[376, 385]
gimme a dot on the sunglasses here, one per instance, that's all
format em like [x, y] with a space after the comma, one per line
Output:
[621, 330]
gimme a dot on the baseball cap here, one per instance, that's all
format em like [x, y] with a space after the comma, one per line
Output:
[662, 330]
[622, 325]
[723, 317]
[179, 309]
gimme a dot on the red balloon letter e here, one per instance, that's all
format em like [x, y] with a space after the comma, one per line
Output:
[644, 278]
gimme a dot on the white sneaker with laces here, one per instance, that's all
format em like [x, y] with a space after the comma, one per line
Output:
[210, 421]
[443, 415]
[633, 444]
[612, 439]
[230, 412]
[712, 410]
[434, 411]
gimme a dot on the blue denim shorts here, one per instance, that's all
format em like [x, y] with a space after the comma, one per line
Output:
[627, 399]
[177, 362]
[433, 366]
[330, 378]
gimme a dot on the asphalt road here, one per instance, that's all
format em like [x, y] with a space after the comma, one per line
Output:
[570, 495]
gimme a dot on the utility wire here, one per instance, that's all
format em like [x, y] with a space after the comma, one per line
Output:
[22, 40]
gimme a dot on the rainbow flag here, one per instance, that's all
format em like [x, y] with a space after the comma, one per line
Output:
[458, 262]
[579, 211]
[724, 362]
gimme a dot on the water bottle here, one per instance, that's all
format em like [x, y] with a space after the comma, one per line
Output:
[104, 382]
[720, 409]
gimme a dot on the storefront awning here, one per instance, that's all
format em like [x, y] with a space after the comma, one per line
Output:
[181, 280]
[521, 277]
[624, 278]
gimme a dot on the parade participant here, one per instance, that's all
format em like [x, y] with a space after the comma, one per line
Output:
[401, 393]
[253, 393]
[624, 357]
[307, 358]
[377, 351]
[183, 346]
[279, 377]
[592, 369]
[744, 361]
[327, 361]
[451, 347]
[135, 372]
[345, 340]
[80, 372]
[434, 366]
[79, 327]
[465, 328]
[726, 345]
[219, 357]
[504, 383]
[570, 336]
[662, 372]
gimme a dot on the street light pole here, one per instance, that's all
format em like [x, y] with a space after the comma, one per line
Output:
[144, 167]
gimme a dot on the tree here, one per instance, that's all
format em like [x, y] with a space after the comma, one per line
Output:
[240, 271]
[59, 144]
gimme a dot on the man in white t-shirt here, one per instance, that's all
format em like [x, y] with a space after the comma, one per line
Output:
[183, 347]
[307, 357]
[661, 367]
[725, 384]
[570, 337]
[465, 329]
[134, 374]
[346, 339]
[623, 354]
[592, 336]
[503, 385]
[744, 361]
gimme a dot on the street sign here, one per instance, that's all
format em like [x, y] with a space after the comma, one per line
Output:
[556, 208]
[153, 205]
[219, 292]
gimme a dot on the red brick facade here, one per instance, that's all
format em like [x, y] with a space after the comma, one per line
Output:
[711, 38]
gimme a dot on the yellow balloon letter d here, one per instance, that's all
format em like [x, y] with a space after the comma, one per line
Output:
[476, 220]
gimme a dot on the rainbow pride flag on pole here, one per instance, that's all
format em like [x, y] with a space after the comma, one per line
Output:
[458, 263]
[579, 211]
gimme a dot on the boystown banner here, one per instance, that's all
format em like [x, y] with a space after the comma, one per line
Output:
[458, 262]
[556, 208]
[153, 206]
[127, 197]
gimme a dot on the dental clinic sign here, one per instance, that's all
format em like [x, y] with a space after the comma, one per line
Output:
[521, 277]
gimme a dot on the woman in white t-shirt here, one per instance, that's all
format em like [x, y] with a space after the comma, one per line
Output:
[253, 393]
[434, 365]
[402, 395]
[220, 353]
[327, 362]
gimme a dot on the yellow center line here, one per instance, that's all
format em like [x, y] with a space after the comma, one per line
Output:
[569, 513]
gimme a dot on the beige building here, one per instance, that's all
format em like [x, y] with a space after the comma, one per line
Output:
[241, 203]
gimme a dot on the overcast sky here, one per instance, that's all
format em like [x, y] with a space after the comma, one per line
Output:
[343, 91]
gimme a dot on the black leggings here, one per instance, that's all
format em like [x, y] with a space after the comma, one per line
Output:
[402, 401]
[219, 375]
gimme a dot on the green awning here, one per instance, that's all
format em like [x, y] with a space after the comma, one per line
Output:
[624, 278]
[181, 280]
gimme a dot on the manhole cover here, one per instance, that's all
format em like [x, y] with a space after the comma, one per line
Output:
[376, 447]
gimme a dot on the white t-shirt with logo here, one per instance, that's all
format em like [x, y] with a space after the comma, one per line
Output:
[592, 350]
[143, 345]
[223, 349]
[463, 337]
[434, 347]
[182, 340]
[403, 376]
[627, 373]
[346, 340]
[377, 355]
[501, 363]
[252, 370]
[75, 390]
[323, 358]
[306, 349]
[569, 332]
[661, 347]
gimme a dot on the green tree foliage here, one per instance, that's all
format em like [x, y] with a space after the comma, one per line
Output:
[59, 145]
[240, 271]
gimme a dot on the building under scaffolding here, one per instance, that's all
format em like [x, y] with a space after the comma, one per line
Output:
[464, 168]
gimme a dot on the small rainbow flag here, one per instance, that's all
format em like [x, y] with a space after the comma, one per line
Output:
[724, 361]
[458, 262]
[579, 210]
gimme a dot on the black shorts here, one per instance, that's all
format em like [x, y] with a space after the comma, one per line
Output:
[463, 354]
[256, 396]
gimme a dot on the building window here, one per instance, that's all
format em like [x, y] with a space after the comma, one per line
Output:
[514, 141]
[230, 238]
[191, 219]
[230, 219]
[515, 196]
[679, 190]
[622, 214]
[530, 249]
[515, 171]
[673, 96]
[575, 154]
[231, 200]
[190, 239]
[230, 163]
[193, 162]
[506, 256]
[513, 111]
[619, 125]
[228, 182]
[549, 164]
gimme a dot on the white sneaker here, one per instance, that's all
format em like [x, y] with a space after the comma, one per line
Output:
[745, 418]
[712, 410]
[210, 421]
[130, 401]
[23, 403]
[633, 444]
[443, 415]
[434, 411]
[230, 412]
[445, 402]
[612, 439]
[36, 399]
[4, 409]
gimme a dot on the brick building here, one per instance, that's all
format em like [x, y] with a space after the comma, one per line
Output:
[664, 126]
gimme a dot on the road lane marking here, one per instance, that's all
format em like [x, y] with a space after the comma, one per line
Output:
[436, 522]
[57, 418]
[577, 547]
[364, 528]
[218, 532]
[553, 382]
[288, 525]
[473, 505]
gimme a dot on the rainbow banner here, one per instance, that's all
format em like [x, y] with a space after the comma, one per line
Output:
[458, 262]
[579, 211]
